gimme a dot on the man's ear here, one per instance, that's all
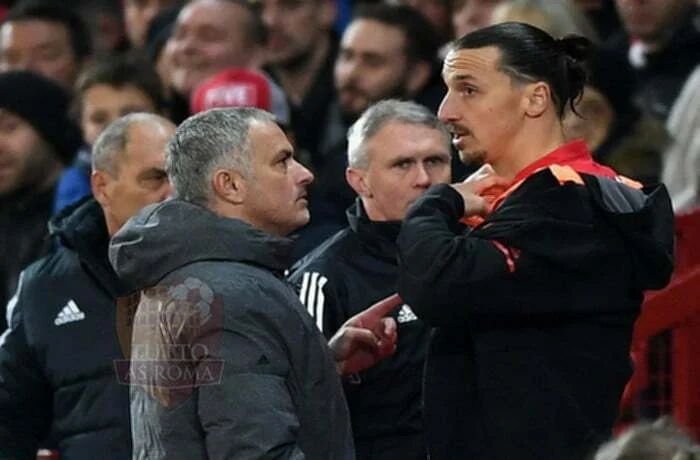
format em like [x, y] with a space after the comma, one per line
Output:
[418, 76]
[229, 185]
[537, 98]
[357, 179]
[101, 190]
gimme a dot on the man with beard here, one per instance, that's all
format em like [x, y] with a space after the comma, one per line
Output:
[301, 51]
[386, 52]
[534, 300]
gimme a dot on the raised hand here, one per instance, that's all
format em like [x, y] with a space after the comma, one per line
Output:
[366, 338]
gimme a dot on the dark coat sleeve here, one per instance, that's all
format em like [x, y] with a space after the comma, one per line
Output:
[25, 395]
[520, 262]
[438, 262]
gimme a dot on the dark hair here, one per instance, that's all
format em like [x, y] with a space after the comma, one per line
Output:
[54, 11]
[422, 41]
[256, 32]
[529, 54]
[120, 71]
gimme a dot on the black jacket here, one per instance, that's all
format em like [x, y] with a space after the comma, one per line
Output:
[24, 218]
[346, 274]
[57, 379]
[225, 362]
[534, 312]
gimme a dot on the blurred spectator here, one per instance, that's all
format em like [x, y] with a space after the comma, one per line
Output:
[300, 51]
[438, 12]
[681, 172]
[661, 440]
[36, 141]
[556, 17]
[159, 31]
[107, 89]
[208, 37]
[242, 88]
[58, 386]
[396, 151]
[386, 52]
[662, 41]
[617, 133]
[603, 16]
[469, 15]
[105, 21]
[138, 15]
[46, 37]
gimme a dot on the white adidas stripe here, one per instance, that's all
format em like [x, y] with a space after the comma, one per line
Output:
[312, 296]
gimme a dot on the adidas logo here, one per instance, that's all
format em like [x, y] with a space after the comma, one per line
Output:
[69, 314]
[406, 315]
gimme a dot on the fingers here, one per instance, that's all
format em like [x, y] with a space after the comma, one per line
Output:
[376, 312]
[484, 171]
[349, 338]
[491, 184]
[387, 338]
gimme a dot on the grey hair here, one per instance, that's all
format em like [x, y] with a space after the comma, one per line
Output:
[114, 139]
[382, 113]
[216, 138]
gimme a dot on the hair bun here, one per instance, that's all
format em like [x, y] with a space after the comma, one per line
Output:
[576, 47]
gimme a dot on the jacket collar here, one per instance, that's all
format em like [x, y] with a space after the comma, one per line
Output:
[379, 238]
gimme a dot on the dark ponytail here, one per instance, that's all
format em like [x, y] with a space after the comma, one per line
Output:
[529, 54]
[575, 53]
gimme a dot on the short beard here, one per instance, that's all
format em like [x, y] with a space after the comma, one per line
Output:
[297, 63]
[475, 158]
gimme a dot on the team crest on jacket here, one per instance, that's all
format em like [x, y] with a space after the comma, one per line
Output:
[171, 337]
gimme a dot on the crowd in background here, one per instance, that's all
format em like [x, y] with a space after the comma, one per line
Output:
[69, 69]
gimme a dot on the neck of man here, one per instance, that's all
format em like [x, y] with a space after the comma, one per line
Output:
[534, 141]
[297, 77]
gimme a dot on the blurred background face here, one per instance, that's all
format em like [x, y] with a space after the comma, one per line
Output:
[597, 116]
[404, 160]
[40, 46]
[294, 27]
[140, 177]
[650, 19]
[26, 160]
[137, 17]
[209, 36]
[371, 66]
[470, 15]
[437, 12]
[102, 104]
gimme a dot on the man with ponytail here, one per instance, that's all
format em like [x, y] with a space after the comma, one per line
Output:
[533, 272]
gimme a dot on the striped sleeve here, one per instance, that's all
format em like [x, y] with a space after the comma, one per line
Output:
[318, 296]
